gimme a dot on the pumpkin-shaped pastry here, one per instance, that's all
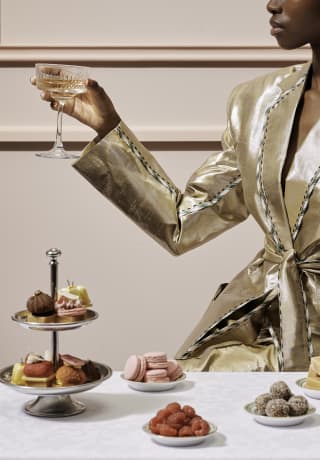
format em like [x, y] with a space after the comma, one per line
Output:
[40, 304]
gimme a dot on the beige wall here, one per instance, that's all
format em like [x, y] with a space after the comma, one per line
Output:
[169, 67]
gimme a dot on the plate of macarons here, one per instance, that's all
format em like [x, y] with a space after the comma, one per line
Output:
[152, 371]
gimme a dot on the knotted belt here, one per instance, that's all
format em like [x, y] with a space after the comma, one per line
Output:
[296, 345]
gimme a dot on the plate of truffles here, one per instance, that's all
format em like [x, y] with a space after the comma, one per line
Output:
[280, 407]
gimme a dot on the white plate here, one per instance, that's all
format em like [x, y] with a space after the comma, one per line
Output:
[175, 441]
[278, 421]
[153, 386]
[315, 394]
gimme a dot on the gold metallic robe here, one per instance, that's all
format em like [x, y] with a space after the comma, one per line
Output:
[268, 316]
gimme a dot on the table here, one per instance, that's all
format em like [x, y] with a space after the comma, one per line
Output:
[111, 427]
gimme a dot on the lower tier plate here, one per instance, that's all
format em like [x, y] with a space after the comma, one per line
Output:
[6, 372]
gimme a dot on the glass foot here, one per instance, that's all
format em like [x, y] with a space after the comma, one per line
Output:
[54, 406]
[58, 153]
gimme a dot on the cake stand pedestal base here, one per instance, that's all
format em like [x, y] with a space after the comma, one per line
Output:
[54, 406]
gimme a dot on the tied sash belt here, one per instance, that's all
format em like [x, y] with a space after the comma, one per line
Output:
[295, 345]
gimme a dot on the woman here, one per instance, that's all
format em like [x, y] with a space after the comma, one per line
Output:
[268, 317]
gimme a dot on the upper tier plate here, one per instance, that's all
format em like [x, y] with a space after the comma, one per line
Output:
[21, 317]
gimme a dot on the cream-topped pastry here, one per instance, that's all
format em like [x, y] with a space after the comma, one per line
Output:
[72, 301]
[69, 305]
[313, 379]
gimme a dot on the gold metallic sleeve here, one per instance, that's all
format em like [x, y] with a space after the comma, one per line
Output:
[124, 171]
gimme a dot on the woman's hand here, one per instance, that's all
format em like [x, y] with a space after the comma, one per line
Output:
[94, 108]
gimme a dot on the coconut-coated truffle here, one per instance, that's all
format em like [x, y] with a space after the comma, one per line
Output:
[260, 403]
[277, 408]
[298, 405]
[280, 390]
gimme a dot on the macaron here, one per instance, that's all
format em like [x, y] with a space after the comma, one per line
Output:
[156, 376]
[156, 360]
[135, 368]
[174, 369]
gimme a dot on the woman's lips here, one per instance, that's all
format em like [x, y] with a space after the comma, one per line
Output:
[276, 28]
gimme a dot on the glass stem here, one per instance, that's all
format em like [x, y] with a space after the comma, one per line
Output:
[59, 143]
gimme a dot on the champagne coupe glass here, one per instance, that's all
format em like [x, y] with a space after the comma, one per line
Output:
[62, 82]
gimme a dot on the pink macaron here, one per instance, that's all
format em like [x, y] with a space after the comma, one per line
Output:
[174, 369]
[156, 360]
[156, 376]
[135, 368]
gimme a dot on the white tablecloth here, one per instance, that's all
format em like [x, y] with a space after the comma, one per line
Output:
[111, 427]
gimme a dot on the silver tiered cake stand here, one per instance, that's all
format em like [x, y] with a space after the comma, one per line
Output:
[54, 401]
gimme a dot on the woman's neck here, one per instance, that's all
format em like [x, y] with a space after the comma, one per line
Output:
[315, 76]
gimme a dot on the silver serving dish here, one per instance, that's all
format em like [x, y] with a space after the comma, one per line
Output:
[63, 324]
[54, 401]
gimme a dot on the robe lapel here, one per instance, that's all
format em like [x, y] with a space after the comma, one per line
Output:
[279, 123]
[303, 172]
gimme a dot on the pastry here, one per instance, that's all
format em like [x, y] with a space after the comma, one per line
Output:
[298, 405]
[37, 371]
[156, 376]
[156, 360]
[69, 306]
[277, 408]
[261, 402]
[135, 368]
[91, 371]
[71, 371]
[174, 420]
[68, 375]
[72, 303]
[280, 390]
[17, 376]
[41, 307]
[280, 402]
[69, 360]
[79, 291]
[174, 369]
[313, 379]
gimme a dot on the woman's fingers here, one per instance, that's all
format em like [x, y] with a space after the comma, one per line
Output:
[54, 105]
[46, 96]
[93, 84]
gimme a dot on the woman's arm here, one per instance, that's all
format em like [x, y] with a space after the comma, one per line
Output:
[123, 170]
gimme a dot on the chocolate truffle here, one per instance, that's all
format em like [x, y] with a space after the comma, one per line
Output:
[280, 390]
[298, 405]
[277, 408]
[40, 304]
[260, 403]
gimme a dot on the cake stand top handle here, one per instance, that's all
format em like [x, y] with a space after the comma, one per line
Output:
[53, 253]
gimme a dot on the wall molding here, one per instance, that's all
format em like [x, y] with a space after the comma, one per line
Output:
[158, 134]
[119, 56]
[166, 56]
